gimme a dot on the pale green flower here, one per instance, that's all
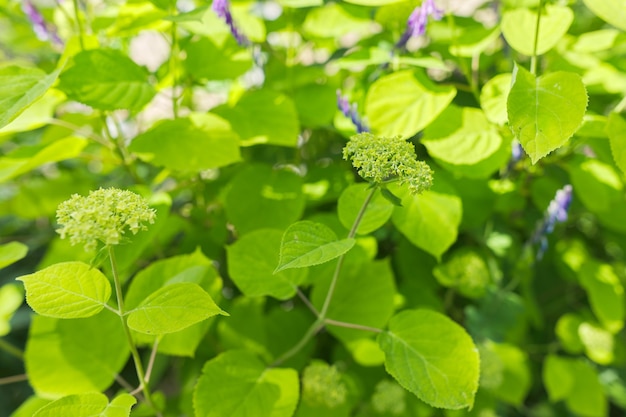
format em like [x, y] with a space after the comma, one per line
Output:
[380, 160]
[103, 216]
[322, 385]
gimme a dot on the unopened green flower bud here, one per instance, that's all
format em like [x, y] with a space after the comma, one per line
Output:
[103, 216]
[322, 385]
[379, 159]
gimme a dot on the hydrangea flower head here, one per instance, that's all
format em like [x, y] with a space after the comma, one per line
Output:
[103, 216]
[222, 10]
[380, 159]
[416, 24]
[322, 385]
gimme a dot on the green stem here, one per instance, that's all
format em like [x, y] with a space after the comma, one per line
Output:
[355, 226]
[338, 323]
[533, 60]
[13, 379]
[174, 60]
[620, 106]
[470, 75]
[143, 385]
[10, 349]
[79, 23]
[119, 147]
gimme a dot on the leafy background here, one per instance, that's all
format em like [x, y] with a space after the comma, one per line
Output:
[232, 144]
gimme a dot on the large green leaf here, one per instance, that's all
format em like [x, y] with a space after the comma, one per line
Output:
[237, 384]
[252, 261]
[376, 214]
[598, 343]
[306, 243]
[92, 404]
[616, 131]
[606, 293]
[430, 220]
[12, 252]
[546, 111]
[190, 144]
[214, 60]
[493, 98]
[263, 117]
[519, 28]
[432, 357]
[466, 271]
[335, 20]
[263, 197]
[405, 102]
[67, 290]
[27, 158]
[107, 79]
[11, 298]
[612, 11]
[505, 372]
[173, 308]
[576, 382]
[19, 88]
[64, 357]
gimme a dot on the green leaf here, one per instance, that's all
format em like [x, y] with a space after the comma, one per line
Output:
[11, 298]
[376, 214]
[216, 60]
[262, 197]
[87, 405]
[67, 290]
[519, 28]
[37, 115]
[263, 117]
[237, 384]
[611, 11]
[307, 243]
[391, 197]
[373, 2]
[173, 308]
[505, 372]
[432, 357]
[576, 382]
[251, 263]
[191, 144]
[30, 406]
[544, 112]
[598, 343]
[12, 252]
[107, 79]
[606, 293]
[567, 332]
[334, 20]
[493, 98]
[25, 159]
[405, 102]
[66, 357]
[466, 271]
[616, 131]
[430, 220]
[20, 87]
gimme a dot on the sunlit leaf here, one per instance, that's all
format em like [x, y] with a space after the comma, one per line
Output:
[377, 213]
[12, 252]
[612, 11]
[88, 404]
[616, 131]
[11, 298]
[519, 27]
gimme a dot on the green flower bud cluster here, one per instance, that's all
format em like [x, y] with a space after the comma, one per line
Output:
[103, 216]
[380, 159]
[389, 398]
[322, 385]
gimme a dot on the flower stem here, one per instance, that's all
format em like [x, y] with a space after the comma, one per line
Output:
[533, 59]
[143, 385]
[79, 24]
[355, 326]
[10, 349]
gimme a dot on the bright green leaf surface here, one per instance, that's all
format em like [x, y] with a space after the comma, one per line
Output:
[263, 117]
[237, 384]
[66, 357]
[432, 357]
[30, 406]
[616, 131]
[509, 373]
[208, 59]
[307, 243]
[475, 40]
[405, 102]
[606, 294]
[91, 404]
[567, 331]
[173, 308]
[466, 271]
[430, 220]
[192, 144]
[598, 343]
[612, 11]
[107, 80]
[263, 197]
[19, 88]
[37, 115]
[519, 28]
[493, 98]
[373, 2]
[11, 298]
[12, 252]
[376, 214]
[544, 112]
[67, 290]
[252, 261]
[335, 20]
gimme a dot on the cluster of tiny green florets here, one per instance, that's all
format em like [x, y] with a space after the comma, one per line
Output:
[322, 385]
[380, 159]
[389, 398]
[103, 216]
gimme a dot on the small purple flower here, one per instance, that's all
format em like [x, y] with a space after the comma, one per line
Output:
[556, 213]
[222, 9]
[43, 29]
[350, 111]
[416, 25]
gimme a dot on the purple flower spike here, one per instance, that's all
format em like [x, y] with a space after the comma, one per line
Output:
[556, 213]
[222, 9]
[416, 25]
[43, 30]
[351, 112]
